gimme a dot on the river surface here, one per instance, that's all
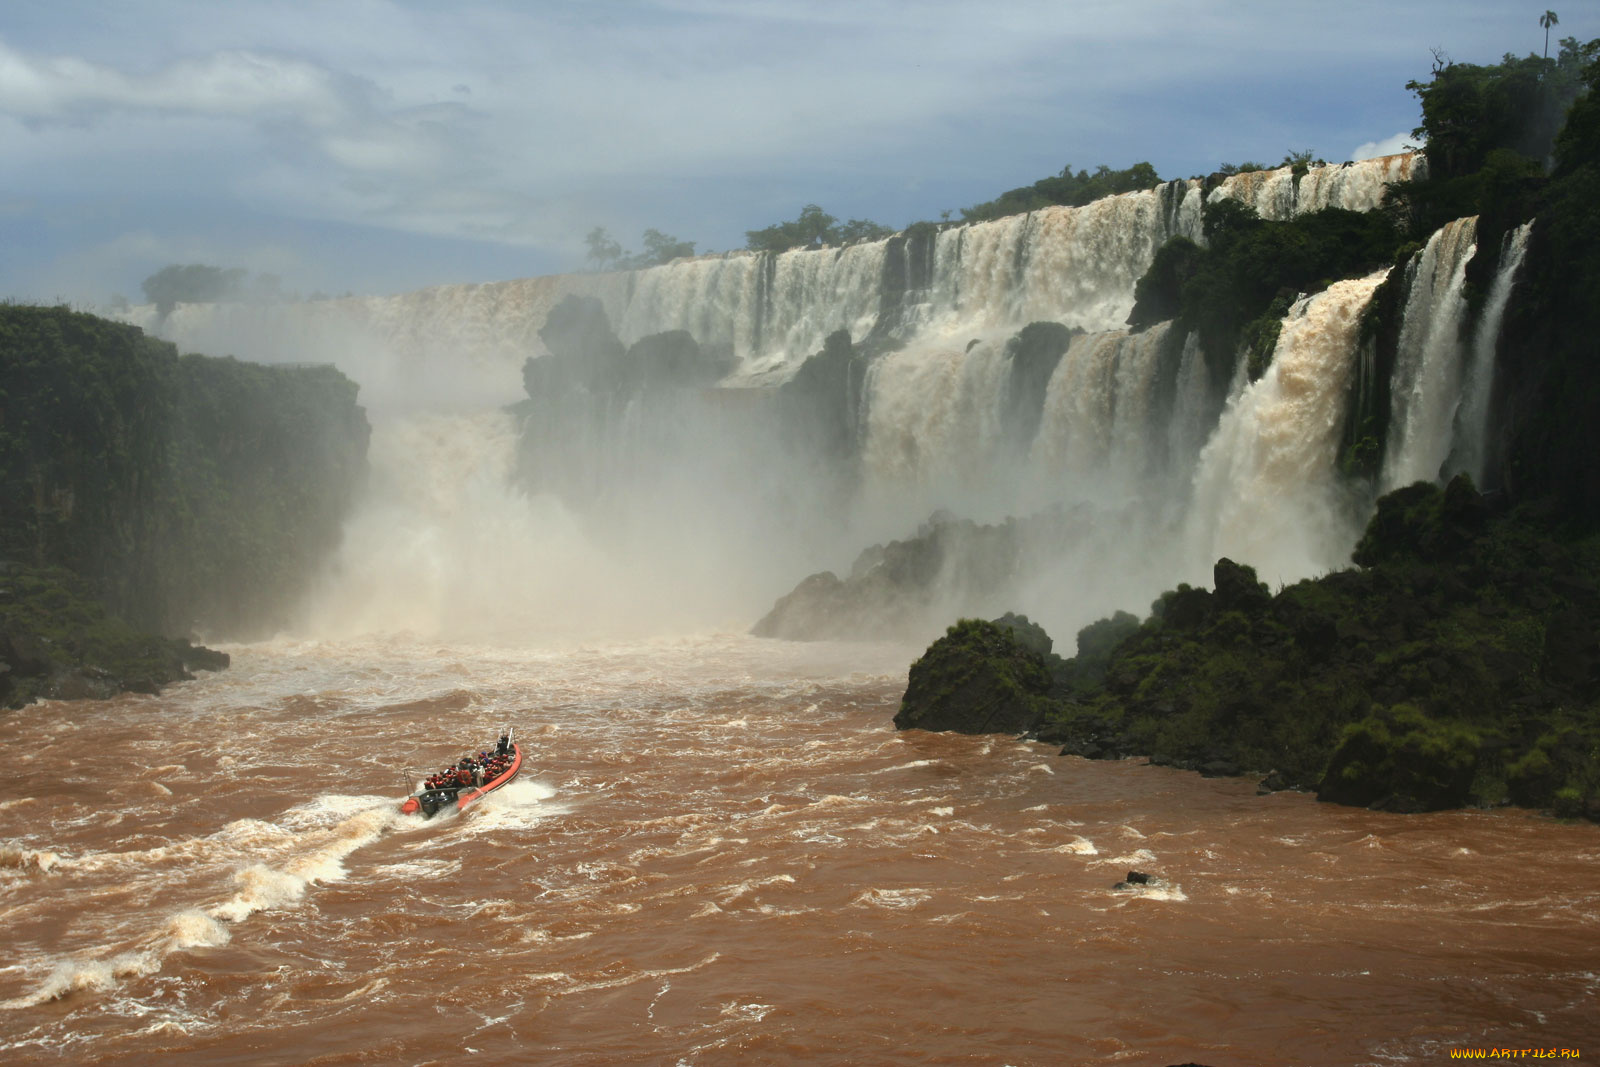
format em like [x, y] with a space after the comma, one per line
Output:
[721, 852]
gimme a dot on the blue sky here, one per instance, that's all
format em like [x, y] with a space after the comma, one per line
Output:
[383, 145]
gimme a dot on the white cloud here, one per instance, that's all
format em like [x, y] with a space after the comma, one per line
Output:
[525, 123]
[1400, 142]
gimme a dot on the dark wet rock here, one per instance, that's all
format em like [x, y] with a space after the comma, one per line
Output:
[1237, 588]
[1219, 768]
[1134, 880]
[674, 360]
[895, 591]
[200, 658]
[1034, 353]
[1274, 782]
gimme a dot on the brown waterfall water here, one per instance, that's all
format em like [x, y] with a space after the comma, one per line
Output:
[721, 852]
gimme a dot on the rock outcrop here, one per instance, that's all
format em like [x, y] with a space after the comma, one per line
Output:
[980, 677]
[1457, 665]
[57, 642]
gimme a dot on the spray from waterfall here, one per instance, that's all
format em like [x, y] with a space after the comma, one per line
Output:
[693, 506]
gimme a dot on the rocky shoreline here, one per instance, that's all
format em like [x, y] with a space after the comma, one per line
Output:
[1456, 665]
[59, 643]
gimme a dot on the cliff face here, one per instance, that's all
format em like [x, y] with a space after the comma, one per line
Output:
[188, 492]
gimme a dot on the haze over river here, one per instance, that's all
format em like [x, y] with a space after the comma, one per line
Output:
[721, 852]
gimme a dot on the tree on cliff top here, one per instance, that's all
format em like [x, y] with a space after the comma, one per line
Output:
[1469, 110]
[195, 283]
[813, 227]
[1065, 188]
[607, 254]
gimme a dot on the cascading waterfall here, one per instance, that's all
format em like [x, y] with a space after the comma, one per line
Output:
[1277, 195]
[1266, 491]
[1076, 265]
[692, 490]
[1427, 375]
[1097, 438]
[1193, 413]
[1472, 423]
[934, 428]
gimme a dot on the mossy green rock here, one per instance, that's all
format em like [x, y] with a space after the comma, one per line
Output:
[1459, 664]
[58, 642]
[980, 677]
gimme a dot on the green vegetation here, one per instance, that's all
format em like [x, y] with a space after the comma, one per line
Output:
[659, 248]
[188, 492]
[1298, 161]
[1251, 268]
[988, 676]
[1065, 188]
[57, 641]
[1519, 104]
[813, 227]
[1457, 665]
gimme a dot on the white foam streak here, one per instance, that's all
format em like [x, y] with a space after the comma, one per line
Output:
[1428, 373]
[1473, 421]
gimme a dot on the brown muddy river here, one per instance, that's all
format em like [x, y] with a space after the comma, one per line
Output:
[721, 852]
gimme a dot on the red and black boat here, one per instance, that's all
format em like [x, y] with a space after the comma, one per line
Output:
[470, 780]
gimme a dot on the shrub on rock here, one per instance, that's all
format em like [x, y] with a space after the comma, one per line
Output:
[978, 678]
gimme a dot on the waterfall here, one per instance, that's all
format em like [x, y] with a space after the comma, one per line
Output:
[1266, 491]
[1193, 412]
[1075, 265]
[1427, 379]
[1097, 437]
[656, 501]
[933, 426]
[439, 538]
[1472, 431]
[1277, 195]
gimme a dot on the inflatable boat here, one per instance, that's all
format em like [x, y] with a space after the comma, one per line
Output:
[470, 780]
